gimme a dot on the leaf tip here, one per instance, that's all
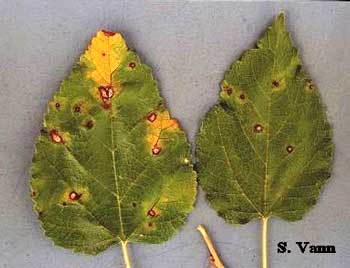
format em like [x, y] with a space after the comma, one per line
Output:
[280, 20]
[107, 32]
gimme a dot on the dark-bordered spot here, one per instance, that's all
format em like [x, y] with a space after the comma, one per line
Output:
[290, 148]
[106, 92]
[150, 224]
[310, 86]
[77, 108]
[156, 150]
[152, 213]
[89, 124]
[151, 117]
[74, 196]
[64, 204]
[134, 204]
[132, 65]
[57, 105]
[55, 136]
[33, 194]
[258, 128]
[275, 84]
[242, 96]
[229, 91]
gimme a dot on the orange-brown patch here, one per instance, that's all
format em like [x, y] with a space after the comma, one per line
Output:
[55, 136]
[105, 54]
[157, 127]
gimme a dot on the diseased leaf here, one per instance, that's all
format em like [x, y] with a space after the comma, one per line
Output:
[110, 165]
[266, 148]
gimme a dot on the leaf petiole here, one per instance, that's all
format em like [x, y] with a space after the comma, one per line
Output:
[264, 254]
[126, 254]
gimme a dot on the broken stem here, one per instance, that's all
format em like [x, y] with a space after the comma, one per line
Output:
[264, 253]
[214, 256]
[126, 254]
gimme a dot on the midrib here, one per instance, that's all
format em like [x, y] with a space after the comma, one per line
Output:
[122, 235]
[116, 181]
[267, 155]
[268, 140]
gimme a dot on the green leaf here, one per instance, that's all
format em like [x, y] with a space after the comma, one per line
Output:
[110, 164]
[266, 148]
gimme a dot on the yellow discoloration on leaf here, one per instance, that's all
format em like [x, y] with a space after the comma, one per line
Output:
[93, 144]
[106, 52]
[156, 128]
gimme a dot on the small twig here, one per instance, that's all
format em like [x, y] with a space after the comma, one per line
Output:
[214, 257]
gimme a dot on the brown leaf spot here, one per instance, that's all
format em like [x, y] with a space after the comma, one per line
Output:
[310, 86]
[64, 204]
[229, 91]
[275, 84]
[258, 128]
[134, 204]
[242, 96]
[106, 92]
[152, 213]
[290, 148]
[150, 224]
[89, 124]
[103, 54]
[156, 150]
[152, 117]
[33, 194]
[108, 33]
[55, 136]
[132, 65]
[57, 105]
[77, 109]
[74, 196]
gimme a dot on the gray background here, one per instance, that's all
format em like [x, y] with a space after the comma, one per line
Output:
[189, 46]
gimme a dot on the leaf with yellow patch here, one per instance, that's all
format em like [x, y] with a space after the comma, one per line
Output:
[111, 166]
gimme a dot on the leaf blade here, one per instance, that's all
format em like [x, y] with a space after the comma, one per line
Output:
[96, 173]
[268, 136]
